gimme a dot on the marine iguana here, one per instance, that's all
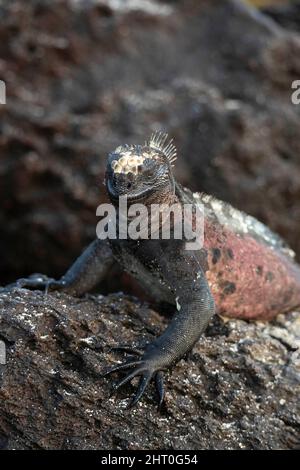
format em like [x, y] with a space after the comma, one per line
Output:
[243, 270]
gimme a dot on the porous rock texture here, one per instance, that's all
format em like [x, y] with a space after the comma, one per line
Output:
[84, 77]
[238, 389]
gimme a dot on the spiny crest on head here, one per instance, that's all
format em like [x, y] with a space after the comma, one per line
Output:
[159, 141]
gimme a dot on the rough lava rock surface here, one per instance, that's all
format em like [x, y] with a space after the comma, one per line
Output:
[287, 15]
[238, 389]
[84, 77]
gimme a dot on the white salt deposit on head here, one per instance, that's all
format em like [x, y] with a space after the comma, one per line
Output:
[128, 163]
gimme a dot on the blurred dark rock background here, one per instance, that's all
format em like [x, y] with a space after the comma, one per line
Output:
[286, 15]
[83, 77]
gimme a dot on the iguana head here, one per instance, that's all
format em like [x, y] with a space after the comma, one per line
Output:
[138, 171]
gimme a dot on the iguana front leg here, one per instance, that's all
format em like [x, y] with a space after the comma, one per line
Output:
[88, 270]
[195, 307]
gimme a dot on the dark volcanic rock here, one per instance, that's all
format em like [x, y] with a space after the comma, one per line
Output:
[238, 389]
[84, 77]
[287, 15]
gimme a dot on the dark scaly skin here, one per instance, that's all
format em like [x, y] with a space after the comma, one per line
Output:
[243, 270]
[251, 272]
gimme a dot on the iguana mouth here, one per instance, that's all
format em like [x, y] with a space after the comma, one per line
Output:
[114, 195]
